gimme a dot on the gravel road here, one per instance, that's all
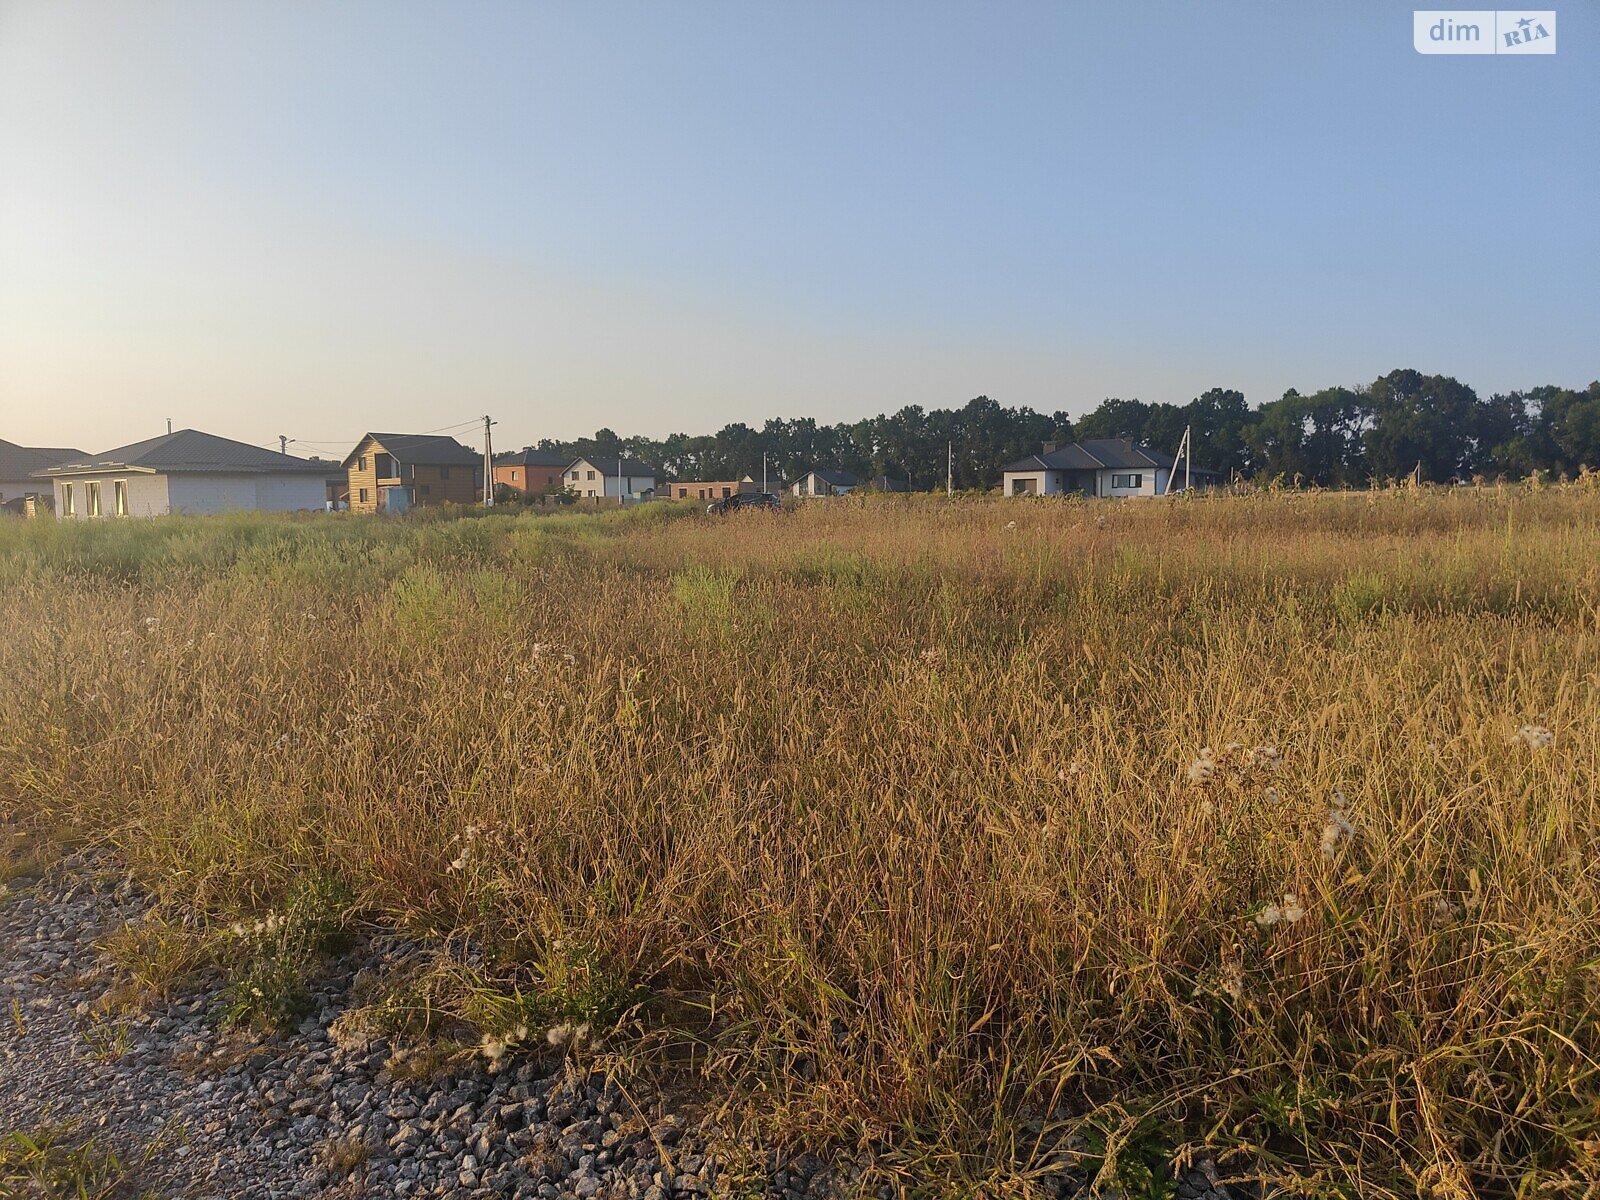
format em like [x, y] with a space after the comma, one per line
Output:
[196, 1113]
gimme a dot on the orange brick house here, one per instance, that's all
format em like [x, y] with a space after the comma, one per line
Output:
[719, 489]
[529, 471]
[396, 470]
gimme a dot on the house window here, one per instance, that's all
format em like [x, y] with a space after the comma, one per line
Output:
[66, 501]
[361, 465]
[572, 475]
[726, 492]
[444, 472]
[119, 503]
[591, 474]
[363, 495]
[1127, 481]
[94, 499]
[513, 477]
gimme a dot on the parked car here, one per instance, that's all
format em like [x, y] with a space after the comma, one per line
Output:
[743, 500]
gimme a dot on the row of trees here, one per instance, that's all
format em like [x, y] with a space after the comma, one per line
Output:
[1403, 422]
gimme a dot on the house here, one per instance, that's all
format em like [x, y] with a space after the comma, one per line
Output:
[818, 482]
[885, 483]
[529, 471]
[389, 472]
[184, 472]
[720, 489]
[627, 478]
[1098, 467]
[17, 466]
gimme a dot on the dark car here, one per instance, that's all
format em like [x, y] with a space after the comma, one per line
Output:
[740, 501]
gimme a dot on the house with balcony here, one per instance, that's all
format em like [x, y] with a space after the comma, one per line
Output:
[391, 472]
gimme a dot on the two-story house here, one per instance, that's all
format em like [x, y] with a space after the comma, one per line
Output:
[393, 471]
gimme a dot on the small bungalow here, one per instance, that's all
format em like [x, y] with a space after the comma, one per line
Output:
[184, 472]
[390, 472]
[17, 467]
[598, 478]
[529, 471]
[721, 489]
[820, 482]
[1097, 467]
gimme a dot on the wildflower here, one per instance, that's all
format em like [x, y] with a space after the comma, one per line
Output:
[1266, 757]
[1537, 737]
[1231, 749]
[1288, 911]
[561, 1035]
[1338, 828]
[1233, 983]
[459, 863]
[1272, 794]
[520, 1033]
[1203, 768]
[151, 622]
[1207, 808]
[238, 929]
[1444, 912]
[257, 992]
[493, 1048]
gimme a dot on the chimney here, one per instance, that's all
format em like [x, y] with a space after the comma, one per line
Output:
[1050, 447]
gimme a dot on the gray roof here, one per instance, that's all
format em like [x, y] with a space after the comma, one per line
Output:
[530, 457]
[430, 449]
[19, 462]
[834, 478]
[189, 450]
[1094, 454]
[608, 466]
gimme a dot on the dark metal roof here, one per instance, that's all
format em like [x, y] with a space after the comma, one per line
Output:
[1094, 454]
[529, 457]
[18, 462]
[608, 466]
[834, 478]
[189, 450]
[1123, 454]
[429, 449]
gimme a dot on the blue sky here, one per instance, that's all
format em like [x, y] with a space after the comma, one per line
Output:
[315, 219]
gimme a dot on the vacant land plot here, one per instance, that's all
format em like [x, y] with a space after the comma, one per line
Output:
[971, 832]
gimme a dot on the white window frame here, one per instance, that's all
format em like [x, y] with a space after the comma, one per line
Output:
[93, 488]
[119, 497]
[68, 507]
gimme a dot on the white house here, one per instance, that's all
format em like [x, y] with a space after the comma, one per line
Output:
[1099, 467]
[819, 482]
[185, 472]
[627, 478]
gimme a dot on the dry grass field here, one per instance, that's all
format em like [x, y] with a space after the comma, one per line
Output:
[969, 833]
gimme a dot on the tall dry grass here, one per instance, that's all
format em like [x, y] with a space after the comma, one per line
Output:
[897, 815]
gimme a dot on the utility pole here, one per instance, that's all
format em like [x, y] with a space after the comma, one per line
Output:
[1187, 455]
[620, 501]
[950, 469]
[763, 472]
[283, 444]
[488, 464]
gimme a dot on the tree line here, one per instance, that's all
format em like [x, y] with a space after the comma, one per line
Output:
[1402, 423]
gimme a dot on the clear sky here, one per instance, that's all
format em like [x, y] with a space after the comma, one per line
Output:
[321, 218]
